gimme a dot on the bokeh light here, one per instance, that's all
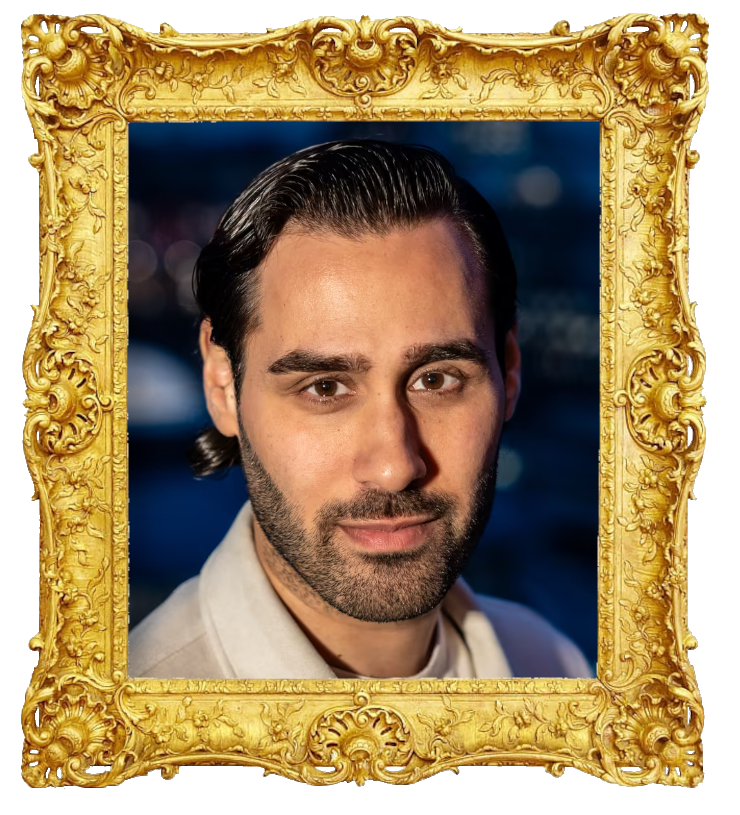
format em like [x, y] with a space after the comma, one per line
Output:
[540, 547]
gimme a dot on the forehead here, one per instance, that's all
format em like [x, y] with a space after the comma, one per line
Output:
[321, 289]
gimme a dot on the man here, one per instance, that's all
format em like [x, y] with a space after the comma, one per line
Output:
[359, 361]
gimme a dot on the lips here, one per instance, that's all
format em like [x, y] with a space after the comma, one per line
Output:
[395, 535]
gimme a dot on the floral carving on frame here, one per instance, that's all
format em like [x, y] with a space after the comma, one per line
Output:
[644, 79]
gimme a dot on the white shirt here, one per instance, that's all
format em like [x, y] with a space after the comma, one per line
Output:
[229, 623]
[450, 657]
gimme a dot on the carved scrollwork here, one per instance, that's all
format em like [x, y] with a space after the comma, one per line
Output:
[360, 742]
[653, 67]
[664, 401]
[445, 740]
[282, 73]
[284, 732]
[65, 405]
[200, 76]
[655, 736]
[67, 65]
[443, 73]
[70, 727]
[364, 59]
[536, 75]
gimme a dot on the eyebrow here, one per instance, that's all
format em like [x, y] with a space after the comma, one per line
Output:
[309, 362]
[419, 355]
[300, 361]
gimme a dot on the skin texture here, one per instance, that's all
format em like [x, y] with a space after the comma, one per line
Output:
[346, 415]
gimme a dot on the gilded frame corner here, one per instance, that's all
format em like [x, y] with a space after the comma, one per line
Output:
[84, 79]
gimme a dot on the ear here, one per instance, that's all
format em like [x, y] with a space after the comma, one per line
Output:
[218, 383]
[513, 378]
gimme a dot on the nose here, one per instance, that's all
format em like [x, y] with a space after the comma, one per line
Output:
[390, 453]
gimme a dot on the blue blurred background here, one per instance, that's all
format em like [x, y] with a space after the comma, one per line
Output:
[540, 546]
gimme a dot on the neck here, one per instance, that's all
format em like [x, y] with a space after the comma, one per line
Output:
[368, 649]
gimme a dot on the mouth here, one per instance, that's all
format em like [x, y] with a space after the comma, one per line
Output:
[392, 535]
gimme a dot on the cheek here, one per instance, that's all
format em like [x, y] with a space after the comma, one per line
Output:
[316, 464]
[462, 442]
[306, 460]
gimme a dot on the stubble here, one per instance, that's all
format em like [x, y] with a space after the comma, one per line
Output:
[375, 587]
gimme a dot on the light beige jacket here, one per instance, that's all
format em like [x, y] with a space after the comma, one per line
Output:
[228, 623]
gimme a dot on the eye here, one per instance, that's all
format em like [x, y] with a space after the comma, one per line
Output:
[435, 381]
[327, 389]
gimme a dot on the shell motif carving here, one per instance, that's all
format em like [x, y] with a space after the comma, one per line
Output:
[659, 734]
[364, 59]
[66, 734]
[664, 401]
[74, 67]
[67, 406]
[653, 67]
[360, 742]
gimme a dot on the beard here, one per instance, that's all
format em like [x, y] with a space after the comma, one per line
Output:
[374, 587]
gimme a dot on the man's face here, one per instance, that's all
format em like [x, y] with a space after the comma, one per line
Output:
[370, 412]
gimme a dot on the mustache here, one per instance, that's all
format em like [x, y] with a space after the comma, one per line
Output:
[375, 505]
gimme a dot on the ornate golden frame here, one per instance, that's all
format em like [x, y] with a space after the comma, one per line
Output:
[644, 79]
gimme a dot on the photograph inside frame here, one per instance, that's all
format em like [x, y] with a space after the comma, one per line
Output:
[468, 546]
[364, 330]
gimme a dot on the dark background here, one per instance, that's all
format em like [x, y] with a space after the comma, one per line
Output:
[540, 546]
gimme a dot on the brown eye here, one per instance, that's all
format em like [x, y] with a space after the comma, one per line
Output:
[432, 381]
[326, 389]
[435, 381]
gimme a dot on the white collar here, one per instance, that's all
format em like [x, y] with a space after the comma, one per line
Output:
[254, 635]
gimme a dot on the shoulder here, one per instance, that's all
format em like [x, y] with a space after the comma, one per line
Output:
[532, 645]
[172, 642]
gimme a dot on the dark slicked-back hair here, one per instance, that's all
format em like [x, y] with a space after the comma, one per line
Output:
[352, 188]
